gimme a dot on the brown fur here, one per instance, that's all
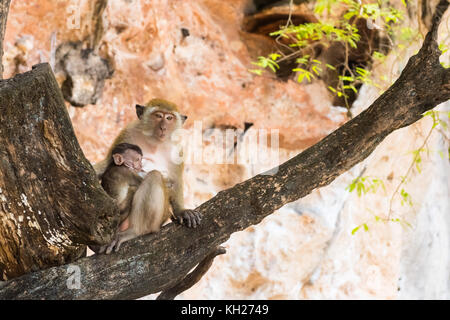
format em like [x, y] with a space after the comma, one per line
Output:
[161, 192]
[121, 183]
[163, 104]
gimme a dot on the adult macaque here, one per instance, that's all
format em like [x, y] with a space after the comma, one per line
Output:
[161, 191]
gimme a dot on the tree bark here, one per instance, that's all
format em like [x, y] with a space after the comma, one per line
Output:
[97, 24]
[4, 8]
[51, 203]
[193, 277]
[157, 262]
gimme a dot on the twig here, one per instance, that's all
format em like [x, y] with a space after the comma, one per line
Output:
[289, 22]
[407, 173]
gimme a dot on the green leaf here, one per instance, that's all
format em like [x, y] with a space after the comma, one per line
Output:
[362, 71]
[351, 186]
[352, 43]
[406, 198]
[345, 78]
[360, 188]
[407, 223]
[378, 55]
[349, 15]
[319, 8]
[350, 87]
[355, 230]
[308, 76]
[316, 69]
[256, 71]
[302, 60]
[273, 66]
[274, 56]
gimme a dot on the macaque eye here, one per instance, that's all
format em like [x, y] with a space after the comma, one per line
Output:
[170, 117]
[158, 115]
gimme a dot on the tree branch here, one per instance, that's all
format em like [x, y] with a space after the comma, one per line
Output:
[51, 202]
[156, 262]
[4, 9]
[193, 277]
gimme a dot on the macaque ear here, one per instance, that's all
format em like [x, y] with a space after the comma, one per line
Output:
[139, 110]
[118, 159]
[183, 118]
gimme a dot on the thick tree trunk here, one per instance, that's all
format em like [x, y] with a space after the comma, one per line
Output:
[157, 262]
[4, 8]
[51, 203]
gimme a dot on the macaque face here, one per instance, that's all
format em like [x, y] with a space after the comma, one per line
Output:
[164, 124]
[129, 158]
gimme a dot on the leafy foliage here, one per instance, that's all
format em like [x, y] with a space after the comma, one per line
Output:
[264, 62]
[364, 225]
[378, 14]
[320, 31]
[363, 185]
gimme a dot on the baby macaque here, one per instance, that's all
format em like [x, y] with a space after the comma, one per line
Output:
[121, 180]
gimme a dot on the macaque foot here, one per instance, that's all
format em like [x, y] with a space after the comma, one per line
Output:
[190, 218]
[119, 239]
[114, 245]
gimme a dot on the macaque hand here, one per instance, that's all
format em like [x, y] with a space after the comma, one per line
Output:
[190, 218]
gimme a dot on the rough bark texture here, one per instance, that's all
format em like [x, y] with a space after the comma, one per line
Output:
[51, 203]
[157, 262]
[193, 277]
[97, 22]
[4, 8]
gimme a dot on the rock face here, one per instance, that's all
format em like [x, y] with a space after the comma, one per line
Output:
[82, 73]
[196, 54]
